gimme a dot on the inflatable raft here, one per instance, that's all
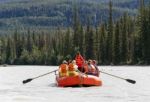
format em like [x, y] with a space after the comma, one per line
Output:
[79, 80]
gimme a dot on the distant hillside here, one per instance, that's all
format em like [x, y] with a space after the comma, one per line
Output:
[53, 13]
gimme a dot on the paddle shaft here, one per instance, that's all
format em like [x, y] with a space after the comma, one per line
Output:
[44, 74]
[112, 75]
[128, 80]
[30, 79]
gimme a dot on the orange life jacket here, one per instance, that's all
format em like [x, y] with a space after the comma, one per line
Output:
[71, 67]
[63, 68]
[71, 70]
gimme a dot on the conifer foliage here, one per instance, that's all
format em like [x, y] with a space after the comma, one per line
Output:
[123, 41]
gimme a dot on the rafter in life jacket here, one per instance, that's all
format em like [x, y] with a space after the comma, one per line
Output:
[79, 60]
[63, 69]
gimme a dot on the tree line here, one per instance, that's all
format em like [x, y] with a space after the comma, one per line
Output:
[52, 13]
[124, 41]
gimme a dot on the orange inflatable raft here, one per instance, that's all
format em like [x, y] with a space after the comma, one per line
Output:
[79, 80]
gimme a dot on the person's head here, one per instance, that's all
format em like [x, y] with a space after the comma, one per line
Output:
[94, 62]
[85, 62]
[78, 53]
[89, 61]
[69, 61]
[64, 62]
[74, 61]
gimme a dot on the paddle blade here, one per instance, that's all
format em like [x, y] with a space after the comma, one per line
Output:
[26, 81]
[131, 81]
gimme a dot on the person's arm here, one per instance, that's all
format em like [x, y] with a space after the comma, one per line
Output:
[75, 67]
[59, 71]
[81, 72]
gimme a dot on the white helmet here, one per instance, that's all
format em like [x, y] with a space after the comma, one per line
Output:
[64, 62]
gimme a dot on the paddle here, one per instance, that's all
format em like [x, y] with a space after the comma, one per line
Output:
[81, 73]
[128, 80]
[30, 79]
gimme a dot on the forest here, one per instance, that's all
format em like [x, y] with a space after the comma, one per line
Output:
[24, 14]
[121, 41]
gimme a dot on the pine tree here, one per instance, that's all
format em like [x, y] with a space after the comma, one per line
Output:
[123, 39]
[8, 51]
[110, 35]
[97, 44]
[116, 44]
[102, 45]
[81, 40]
[3, 48]
[67, 42]
[89, 43]
[29, 42]
[77, 36]
[144, 37]
[53, 54]
[1, 52]
[130, 40]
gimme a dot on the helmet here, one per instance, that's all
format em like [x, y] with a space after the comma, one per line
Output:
[74, 61]
[94, 61]
[64, 62]
[78, 53]
[89, 60]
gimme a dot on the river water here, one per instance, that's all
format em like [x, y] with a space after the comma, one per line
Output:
[44, 89]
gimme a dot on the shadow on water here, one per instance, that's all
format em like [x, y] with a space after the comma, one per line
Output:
[52, 85]
[76, 86]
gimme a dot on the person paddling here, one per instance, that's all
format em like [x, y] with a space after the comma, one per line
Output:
[73, 68]
[79, 61]
[63, 69]
[96, 67]
[91, 68]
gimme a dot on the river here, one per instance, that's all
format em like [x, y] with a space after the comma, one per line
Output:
[44, 89]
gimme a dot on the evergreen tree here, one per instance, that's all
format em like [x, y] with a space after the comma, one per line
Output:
[116, 44]
[8, 51]
[123, 39]
[1, 61]
[2, 49]
[110, 35]
[81, 40]
[144, 37]
[17, 47]
[25, 58]
[29, 42]
[97, 44]
[130, 40]
[77, 36]
[67, 43]
[102, 46]
[89, 43]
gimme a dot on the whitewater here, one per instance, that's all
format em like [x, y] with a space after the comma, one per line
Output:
[44, 89]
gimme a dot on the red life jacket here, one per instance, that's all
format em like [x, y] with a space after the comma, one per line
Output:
[79, 61]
